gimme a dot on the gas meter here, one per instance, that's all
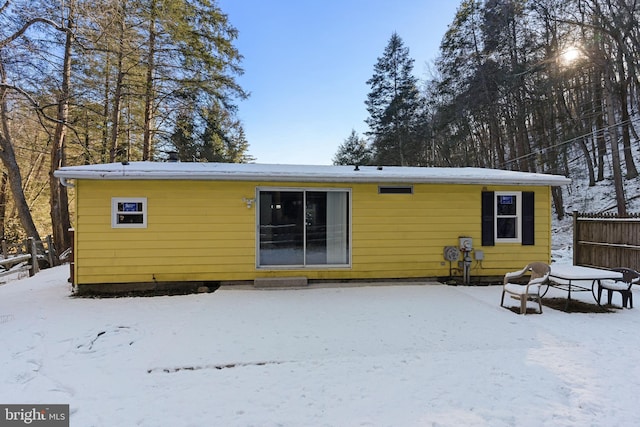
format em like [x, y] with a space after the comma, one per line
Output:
[466, 246]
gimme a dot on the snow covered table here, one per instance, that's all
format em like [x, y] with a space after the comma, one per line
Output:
[576, 278]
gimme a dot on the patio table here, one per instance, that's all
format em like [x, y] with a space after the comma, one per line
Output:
[576, 278]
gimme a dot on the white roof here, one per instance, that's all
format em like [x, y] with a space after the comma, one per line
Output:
[304, 173]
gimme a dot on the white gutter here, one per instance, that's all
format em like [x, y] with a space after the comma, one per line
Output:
[65, 183]
[286, 173]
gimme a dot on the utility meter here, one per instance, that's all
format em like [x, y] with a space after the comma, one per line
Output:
[451, 253]
[466, 244]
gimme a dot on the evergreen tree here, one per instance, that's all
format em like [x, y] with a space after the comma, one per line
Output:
[394, 105]
[353, 151]
[213, 135]
[214, 139]
[182, 138]
[223, 139]
[239, 146]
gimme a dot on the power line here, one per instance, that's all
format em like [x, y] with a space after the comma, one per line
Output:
[563, 143]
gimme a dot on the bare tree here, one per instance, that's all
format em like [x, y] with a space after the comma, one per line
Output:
[59, 200]
[8, 157]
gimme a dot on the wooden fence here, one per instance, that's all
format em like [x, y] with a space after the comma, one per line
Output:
[26, 255]
[19, 257]
[606, 240]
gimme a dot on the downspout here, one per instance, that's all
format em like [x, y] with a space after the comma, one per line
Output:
[72, 264]
[65, 183]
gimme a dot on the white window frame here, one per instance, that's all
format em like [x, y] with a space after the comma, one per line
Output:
[115, 213]
[517, 216]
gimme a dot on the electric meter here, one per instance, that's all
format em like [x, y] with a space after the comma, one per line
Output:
[466, 244]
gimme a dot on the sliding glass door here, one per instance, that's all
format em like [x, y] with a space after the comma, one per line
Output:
[281, 228]
[303, 227]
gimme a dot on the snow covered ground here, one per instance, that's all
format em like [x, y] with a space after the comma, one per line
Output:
[411, 355]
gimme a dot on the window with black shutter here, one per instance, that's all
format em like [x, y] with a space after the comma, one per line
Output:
[508, 217]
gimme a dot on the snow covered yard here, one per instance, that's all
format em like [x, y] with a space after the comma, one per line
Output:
[364, 356]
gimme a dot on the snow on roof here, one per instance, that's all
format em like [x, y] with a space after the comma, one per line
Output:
[304, 173]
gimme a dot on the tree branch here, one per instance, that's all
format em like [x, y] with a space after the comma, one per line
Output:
[4, 6]
[6, 87]
[25, 27]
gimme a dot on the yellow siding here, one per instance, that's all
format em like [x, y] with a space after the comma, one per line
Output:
[202, 230]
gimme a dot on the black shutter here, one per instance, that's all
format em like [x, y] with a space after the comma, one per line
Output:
[528, 218]
[488, 208]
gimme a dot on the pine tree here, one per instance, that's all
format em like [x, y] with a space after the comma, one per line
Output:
[353, 151]
[182, 138]
[223, 139]
[394, 105]
[209, 134]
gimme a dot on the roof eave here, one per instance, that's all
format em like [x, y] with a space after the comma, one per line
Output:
[553, 180]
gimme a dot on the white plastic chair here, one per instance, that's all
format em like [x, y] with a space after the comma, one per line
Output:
[539, 272]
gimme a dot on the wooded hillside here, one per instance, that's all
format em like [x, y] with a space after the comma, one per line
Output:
[532, 85]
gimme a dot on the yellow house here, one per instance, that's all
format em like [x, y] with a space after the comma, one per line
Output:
[149, 225]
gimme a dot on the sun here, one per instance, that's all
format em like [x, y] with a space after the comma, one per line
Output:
[570, 55]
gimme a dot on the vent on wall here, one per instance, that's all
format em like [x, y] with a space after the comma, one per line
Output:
[395, 189]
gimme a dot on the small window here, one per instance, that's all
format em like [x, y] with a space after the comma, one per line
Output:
[508, 214]
[129, 212]
[391, 189]
[508, 217]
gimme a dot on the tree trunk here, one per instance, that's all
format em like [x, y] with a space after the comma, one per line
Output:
[630, 165]
[117, 97]
[599, 133]
[105, 147]
[60, 222]
[615, 154]
[3, 204]
[495, 139]
[148, 96]
[587, 159]
[8, 157]
[558, 201]
[522, 136]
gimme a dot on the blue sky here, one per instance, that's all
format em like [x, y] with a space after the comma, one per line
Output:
[306, 65]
